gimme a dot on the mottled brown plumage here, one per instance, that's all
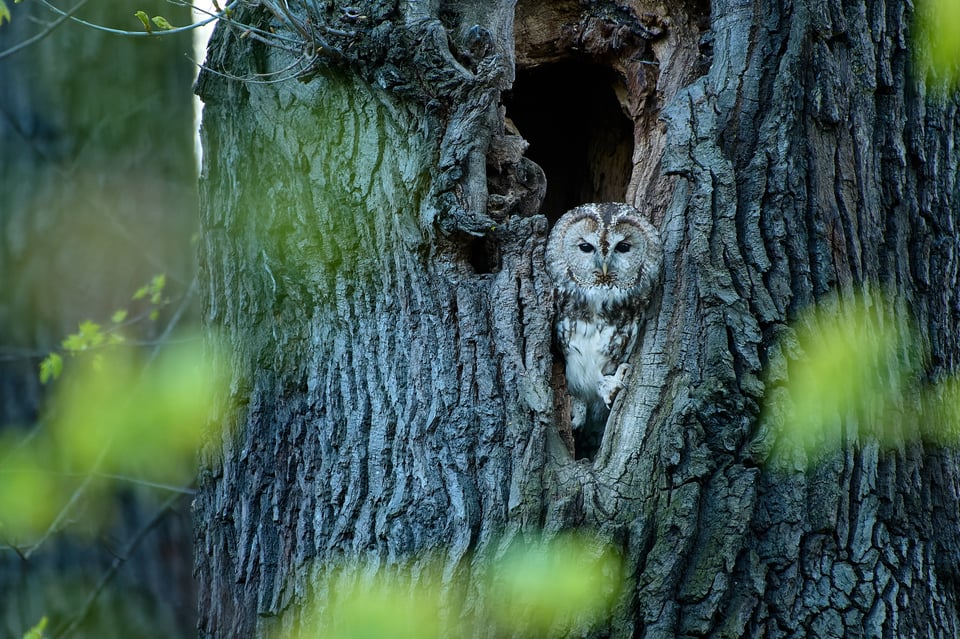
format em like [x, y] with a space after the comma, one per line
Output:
[605, 260]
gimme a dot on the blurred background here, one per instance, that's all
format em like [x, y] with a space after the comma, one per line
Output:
[98, 174]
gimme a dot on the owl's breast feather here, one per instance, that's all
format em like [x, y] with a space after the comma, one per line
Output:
[586, 350]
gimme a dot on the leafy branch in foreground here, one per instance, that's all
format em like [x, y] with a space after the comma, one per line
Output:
[557, 587]
[37, 631]
[91, 336]
[850, 371]
[128, 418]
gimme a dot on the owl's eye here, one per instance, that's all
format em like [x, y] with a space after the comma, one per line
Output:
[622, 247]
[586, 247]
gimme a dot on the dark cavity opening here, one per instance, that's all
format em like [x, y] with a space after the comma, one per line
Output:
[481, 254]
[580, 136]
[569, 113]
[587, 440]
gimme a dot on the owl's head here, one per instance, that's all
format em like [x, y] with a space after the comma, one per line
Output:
[608, 249]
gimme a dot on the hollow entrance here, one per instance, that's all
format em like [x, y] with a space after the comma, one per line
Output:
[569, 113]
[580, 136]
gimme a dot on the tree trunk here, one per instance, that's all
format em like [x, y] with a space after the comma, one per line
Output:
[371, 252]
[97, 195]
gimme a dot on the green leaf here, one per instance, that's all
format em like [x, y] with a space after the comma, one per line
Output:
[51, 367]
[568, 581]
[145, 19]
[73, 343]
[156, 286]
[154, 289]
[154, 314]
[88, 336]
[37, 631]
[4, 12]
[162, 23]
[91, 330]
[118, 316]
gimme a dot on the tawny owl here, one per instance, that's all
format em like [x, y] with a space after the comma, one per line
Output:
[605, 260]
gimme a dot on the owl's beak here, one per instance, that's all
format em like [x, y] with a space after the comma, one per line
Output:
[601, 264]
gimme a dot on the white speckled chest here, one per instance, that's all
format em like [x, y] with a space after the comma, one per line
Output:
[586, 347]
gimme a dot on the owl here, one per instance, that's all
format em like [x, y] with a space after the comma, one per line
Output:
[604, 260]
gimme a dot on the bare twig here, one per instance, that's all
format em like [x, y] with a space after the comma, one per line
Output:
[249, 80]
[224, 16]
[57, 524]
[65, 15]
[138, 34]
[118, 561]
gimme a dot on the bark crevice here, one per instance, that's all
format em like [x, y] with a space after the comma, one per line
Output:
[431, 387]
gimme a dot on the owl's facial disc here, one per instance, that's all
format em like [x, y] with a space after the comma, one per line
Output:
[607, 253]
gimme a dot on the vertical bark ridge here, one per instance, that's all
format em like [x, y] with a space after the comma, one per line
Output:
[388, 377]
[424, 385]
[836, 190]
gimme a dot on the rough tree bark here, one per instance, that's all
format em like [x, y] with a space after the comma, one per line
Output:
[370, 251]
[97, 194]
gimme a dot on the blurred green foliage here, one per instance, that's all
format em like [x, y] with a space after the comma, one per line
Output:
[546, 589]
[122, 417]
[37, 631]
[852, 371]
[848, 371]
[938, 37]
[563, 586]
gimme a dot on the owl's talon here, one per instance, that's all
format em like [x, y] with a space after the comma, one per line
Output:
[611, 385]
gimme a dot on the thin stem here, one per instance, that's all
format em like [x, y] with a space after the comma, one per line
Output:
[237, 78]
[115, 566]
[64, 16]
[138, 34]
[224, 17]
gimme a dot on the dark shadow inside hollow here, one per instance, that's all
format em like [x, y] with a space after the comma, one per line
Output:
[586, 440]
[569, 113]
[579, 135]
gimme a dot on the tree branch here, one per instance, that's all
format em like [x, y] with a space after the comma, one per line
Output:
[64, 16]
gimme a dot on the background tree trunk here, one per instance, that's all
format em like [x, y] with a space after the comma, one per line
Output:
[97, 195]
[370, 252]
